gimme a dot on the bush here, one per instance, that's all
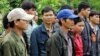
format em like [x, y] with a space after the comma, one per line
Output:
[6, 5]
[55, 4]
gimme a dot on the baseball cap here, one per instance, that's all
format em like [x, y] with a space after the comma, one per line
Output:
[18, 13]
[66, 14]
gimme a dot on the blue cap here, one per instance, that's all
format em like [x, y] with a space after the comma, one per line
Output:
[66, 14]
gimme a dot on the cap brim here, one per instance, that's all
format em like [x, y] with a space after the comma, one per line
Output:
[28, 17]
[73, 16]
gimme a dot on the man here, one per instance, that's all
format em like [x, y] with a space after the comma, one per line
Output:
[6, 26]
[13, 43]
[41, 34]
[84, 11]
[30, 8]
[94, 32]
[60, 43]
[56, 24]
[77, 38]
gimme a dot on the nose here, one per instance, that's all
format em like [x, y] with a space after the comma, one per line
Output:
[49, 17]
[72, 22]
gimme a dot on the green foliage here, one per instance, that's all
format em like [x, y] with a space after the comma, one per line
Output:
[15, 3]
[95, 4]
[55, 4]
[4, 6]
[52, 3]
[75, 3]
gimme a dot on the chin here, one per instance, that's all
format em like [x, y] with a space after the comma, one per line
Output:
[48, 23]
[25, 28]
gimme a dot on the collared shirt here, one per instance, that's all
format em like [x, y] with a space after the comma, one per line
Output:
[69, 43]
[49, 31]
[94, 38]
[13, 45]
[95, 29]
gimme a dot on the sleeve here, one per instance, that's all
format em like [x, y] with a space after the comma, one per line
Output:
[86, 38]
[51, 47]
[34, 45]
[8, 50]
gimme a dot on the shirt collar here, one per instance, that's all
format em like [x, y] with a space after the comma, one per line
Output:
[97, 28]
[44, 28]
[15, 35]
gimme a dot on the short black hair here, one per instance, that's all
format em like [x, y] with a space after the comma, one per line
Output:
[5, 21]
[83, 5]
[93, 12]
[99, 14]
[26, 5]
[12, 23]
[60, 21]
[47, 9]
[76, 11]
[77, 20]
[66, 7]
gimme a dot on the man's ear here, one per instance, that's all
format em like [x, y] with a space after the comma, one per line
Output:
[82, 9]
[62, 21]
[90, 18]
[26, 11]
[15, 22]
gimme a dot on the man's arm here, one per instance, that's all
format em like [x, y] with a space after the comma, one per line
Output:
[7, 49]
[34, 45]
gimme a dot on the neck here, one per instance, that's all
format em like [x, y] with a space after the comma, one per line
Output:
[80, 15]
[7, 30]
[18, 31]
[49, 26]
[64, 29]
[94, 25]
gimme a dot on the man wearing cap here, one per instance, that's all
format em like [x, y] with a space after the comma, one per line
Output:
[60, 43]
[13, 43]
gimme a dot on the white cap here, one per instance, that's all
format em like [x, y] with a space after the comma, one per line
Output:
[18, 13]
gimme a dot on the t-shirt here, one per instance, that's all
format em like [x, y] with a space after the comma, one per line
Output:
[78, 45]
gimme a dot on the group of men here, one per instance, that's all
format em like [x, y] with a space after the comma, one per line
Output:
[65, 33]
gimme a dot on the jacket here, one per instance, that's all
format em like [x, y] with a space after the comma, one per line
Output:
[58, 46]
[13, 45]
[86, 38]
[98, 43]
[38, 41]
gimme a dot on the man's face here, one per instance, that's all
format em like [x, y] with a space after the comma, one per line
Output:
[86, 12]
[21, 24]
[68, 24]
[48, 17]
[99, 17]
[95, 19]
[78, 28]
[33, 12]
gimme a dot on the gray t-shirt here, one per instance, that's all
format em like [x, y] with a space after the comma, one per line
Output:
[69, 43]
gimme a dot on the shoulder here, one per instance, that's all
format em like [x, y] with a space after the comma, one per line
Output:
[55, 37]
[37, 28]
[7, 39]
